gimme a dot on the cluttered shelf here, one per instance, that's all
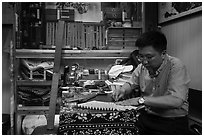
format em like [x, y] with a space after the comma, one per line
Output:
[73, 54]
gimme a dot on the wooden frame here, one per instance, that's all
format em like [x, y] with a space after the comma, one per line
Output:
[172, 10]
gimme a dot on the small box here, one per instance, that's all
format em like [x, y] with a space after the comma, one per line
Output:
[67, 14]
[51, 14]
[113, 13]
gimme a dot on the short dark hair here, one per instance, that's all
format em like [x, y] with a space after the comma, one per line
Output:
[156, 39]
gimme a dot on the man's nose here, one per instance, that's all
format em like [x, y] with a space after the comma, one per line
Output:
[145, 61]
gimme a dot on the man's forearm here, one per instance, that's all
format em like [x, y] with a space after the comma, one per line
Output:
[128, 88]
[167, 101]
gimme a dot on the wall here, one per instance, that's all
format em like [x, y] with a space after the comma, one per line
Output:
[185, 42]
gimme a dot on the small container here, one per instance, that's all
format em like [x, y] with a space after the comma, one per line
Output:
[66, 75]
[99, 74]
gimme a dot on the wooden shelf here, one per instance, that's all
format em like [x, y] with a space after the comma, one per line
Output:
[121, 40]
[124, 37]
[32, 110]
[73, 54]
[125, 28]
[34, 83]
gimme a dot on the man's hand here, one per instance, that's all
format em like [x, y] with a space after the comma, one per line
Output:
[129, 102]
[118, 94]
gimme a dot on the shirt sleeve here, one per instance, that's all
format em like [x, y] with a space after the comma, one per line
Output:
[179, 80]
[134, 80]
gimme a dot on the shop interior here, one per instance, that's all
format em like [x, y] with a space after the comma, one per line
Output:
[55, 54]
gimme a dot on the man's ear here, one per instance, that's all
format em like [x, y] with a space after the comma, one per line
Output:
[163, 54]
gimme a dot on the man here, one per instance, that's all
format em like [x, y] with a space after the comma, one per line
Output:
[163, 82]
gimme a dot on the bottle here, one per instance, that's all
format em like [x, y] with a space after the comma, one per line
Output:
[124, 15]
[99, 74]
[66, 75]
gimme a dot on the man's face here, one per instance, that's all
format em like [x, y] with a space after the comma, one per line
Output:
[150, 58]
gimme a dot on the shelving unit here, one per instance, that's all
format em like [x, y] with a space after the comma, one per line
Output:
[66, 55]
[73, 54]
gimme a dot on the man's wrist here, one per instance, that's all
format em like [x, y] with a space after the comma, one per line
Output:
[129, 84]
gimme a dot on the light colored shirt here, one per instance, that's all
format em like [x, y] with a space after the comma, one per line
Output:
[171, 79]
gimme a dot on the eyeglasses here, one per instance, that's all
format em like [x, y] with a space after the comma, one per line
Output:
[146, 58]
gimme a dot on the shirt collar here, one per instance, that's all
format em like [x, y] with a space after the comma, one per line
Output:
[161, 67]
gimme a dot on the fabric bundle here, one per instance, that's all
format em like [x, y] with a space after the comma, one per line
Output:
[40, 69]
[34, 96]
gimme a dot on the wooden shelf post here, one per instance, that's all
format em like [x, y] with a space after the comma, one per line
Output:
[56, 74]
